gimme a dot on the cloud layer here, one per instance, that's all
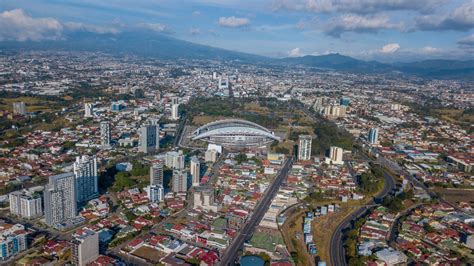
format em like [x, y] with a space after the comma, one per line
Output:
[233, 22]
[19, 26]
[356, 23]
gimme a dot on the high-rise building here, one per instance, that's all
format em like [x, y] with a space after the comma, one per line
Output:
[373, 136]
[60, 198]
[180, 180]
[19, 108]
[13, 240]
[195, 168]
[304, 148]
[85, 248]
[155, 193]
[204, 199]
[25, 204]
[223, 83]
[105, 134]
[211, 155]
[156, 174]
[149, 139]
[175, 159]
[85, 171]
[335, 155]
[175, 111]
[88, 110]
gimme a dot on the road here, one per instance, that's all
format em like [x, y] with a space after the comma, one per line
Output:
[337, 252]
[231, 254]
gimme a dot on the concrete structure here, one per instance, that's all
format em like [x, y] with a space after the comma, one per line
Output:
[156, 174]
[211, 156]
[85, 248]
[195, 167]
[204, 199]
[373, 136]
[304, 148]
[85, 171]
[335, 155]
[149, 139]
[105, 134]
[155, 193]
[175, 159]
[180, 181]
[60, 199]
[234, 133]
[13, 240]
[175, 112]
[25, 204]
[19, 108]
[88, 110]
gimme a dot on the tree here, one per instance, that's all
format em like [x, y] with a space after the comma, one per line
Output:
[240, 158]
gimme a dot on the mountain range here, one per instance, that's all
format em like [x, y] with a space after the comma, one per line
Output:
[151, 44]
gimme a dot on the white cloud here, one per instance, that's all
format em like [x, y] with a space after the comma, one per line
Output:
[158, 27]
[75, 26]
[356, 23]
[390, 48]
[18, 25]
[461, 19]
[430, 49]
[467, 43]
[358, 7]
[196, 13]
[194, 31]
[233, 22]
[295, 52]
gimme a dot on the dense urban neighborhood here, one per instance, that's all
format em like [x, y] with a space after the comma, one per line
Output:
[111, 160]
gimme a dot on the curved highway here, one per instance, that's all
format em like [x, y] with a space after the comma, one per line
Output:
[337, 252]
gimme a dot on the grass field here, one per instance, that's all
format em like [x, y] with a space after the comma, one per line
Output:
[32, 104]
[323, 228]
[266, 239]
[292, 231]
[455, 196]
[150, 254]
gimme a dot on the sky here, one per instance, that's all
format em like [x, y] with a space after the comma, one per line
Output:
[384, 30]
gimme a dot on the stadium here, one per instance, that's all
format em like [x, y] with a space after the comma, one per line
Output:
[234, 133]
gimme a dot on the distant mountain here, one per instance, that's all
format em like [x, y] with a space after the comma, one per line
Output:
[426, 68]
[152, 44]
[338, 62]
[439, 68]
[141, 43]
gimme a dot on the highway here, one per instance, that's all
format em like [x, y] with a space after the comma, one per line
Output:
[337, 252]
[231, 253]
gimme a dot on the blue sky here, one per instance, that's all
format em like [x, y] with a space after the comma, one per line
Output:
[386, 30]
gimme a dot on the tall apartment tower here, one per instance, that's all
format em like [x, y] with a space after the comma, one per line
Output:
[195, 167]
[156, 174]
[85, 171]
[85, 248]
[304, 149]
[175, 111]
[175, 159]
[155, 193]
[25, 204]
[149, 139]
[180, 181]
[60, 198]
[19, 108]
[373, 136]
[105, 134]
[88, 110]
[335, 155]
